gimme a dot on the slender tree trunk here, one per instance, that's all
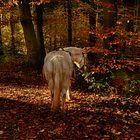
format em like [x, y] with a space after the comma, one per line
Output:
[137, 15]
[110, 15]
[33, 48]
[39, 15]
[12, 27]
[1, 50]
[92, 23]
[69, 5]
[110, 21]
[129, 4]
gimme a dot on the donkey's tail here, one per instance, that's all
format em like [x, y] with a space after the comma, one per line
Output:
[56, 97]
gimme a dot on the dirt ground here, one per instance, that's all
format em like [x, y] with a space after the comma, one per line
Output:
[25, 112]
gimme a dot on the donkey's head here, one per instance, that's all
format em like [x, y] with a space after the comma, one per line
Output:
[77, 55]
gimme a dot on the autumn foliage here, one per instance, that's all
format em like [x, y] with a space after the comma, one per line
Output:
[105, 101]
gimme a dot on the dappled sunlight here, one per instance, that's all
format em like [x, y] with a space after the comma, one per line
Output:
[34, 94]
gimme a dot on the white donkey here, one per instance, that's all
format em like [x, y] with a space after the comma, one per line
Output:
[58, 69]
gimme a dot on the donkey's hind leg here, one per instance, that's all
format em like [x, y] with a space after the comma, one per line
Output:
[64, 94]
[51, 87]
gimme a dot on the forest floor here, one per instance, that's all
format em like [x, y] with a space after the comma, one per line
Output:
[25, 111]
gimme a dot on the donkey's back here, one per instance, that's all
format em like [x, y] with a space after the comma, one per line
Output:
[58, 69]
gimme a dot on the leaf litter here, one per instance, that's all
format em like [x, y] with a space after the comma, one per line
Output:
[25, 112]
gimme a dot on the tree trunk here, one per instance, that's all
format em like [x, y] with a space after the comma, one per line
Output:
[137, 14]
[129, 4]
[12, 27]
[109, 23]
[39, 15]
[69, 23]
[32, 44]
[110, 14]
[1, 50]
[92, 23]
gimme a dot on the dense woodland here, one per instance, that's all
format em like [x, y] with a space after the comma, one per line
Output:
[106, 102]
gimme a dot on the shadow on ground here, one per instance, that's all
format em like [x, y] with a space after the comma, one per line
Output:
[22, 120]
